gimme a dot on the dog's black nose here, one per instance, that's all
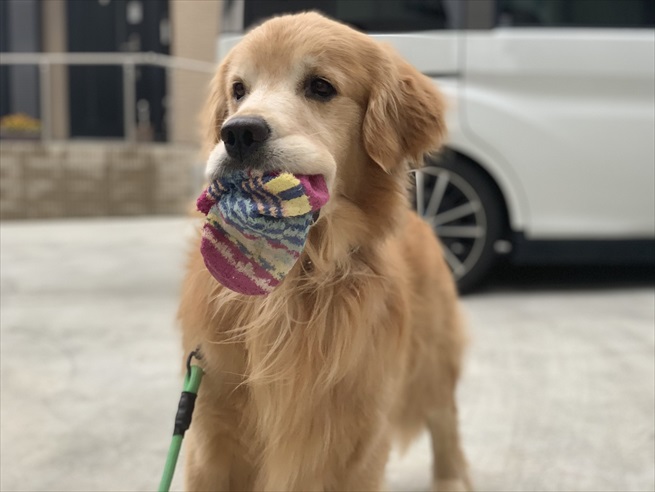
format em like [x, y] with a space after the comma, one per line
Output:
[242, 135]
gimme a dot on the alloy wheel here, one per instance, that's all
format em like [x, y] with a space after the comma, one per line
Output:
[456, 213]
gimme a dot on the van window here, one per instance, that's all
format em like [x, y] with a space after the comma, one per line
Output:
[576, 13]
[366, 15]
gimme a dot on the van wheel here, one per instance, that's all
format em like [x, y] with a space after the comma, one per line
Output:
[466, 212]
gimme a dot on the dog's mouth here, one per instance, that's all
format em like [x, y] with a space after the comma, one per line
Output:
[276, 194]
[263, 170]
[263, 165]
[261, 162]
[294, 154]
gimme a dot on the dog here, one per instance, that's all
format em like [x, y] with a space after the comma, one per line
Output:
[306, 388]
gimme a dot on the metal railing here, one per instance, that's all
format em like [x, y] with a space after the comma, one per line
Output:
[127, 60]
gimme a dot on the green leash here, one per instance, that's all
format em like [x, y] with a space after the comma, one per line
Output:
[182, 418]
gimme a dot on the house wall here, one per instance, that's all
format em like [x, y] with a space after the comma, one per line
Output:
[81, 178]
[64, 179]
[195, 28]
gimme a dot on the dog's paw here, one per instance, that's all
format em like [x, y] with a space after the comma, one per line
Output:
[451, 485]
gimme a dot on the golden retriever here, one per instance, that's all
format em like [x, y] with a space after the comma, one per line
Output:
[306, 388]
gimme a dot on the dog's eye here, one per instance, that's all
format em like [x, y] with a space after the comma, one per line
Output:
[238, 90]
[320, 89]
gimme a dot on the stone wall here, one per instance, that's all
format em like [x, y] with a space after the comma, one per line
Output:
[72, 179]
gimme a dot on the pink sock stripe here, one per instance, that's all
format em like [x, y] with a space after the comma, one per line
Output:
[273, 243]
[233, 279]
[205, 202]
[269, 258]
[236, 265]
[238, 255]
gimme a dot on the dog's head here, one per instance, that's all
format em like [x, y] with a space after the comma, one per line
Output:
[304, 94]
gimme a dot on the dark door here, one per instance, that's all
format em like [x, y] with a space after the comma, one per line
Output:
[20, 22]
[4, 69]
[96, 92]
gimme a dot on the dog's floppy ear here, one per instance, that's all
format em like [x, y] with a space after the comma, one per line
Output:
[216, 109]
[404, 119]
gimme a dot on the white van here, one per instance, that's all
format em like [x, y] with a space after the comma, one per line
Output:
[551, 152]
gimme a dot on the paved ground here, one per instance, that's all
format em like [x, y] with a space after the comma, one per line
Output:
[558, 394]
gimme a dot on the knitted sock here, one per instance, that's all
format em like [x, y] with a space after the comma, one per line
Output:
[256, 226]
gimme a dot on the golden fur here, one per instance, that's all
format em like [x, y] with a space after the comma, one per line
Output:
[306, 388]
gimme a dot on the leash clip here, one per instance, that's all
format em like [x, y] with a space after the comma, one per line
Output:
[194, 354]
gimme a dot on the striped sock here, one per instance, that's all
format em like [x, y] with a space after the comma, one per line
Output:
[257, 225]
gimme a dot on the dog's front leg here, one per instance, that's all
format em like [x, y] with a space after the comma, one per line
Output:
[207, 466]
[284, 485]
[352, 462]
[364, 468]
[284, 472]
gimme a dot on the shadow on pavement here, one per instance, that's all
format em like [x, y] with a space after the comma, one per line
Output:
[509, 278]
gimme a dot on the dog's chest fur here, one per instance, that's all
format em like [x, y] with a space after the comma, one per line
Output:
[289, 373]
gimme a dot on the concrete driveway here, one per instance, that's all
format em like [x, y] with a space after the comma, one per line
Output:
[558, 393]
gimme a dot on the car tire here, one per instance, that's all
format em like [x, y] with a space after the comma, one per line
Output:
[467, 212]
